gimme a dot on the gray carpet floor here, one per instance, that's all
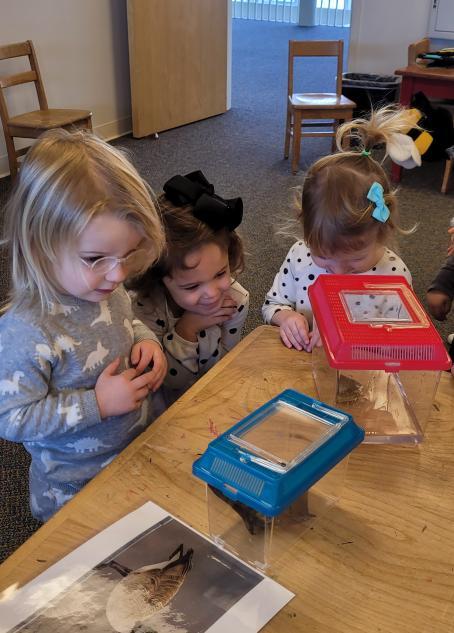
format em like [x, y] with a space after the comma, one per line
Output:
[241, 152]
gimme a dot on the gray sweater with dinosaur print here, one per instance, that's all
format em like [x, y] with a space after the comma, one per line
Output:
[48, 372]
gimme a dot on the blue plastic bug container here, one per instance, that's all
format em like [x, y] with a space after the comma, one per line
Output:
[274, 472]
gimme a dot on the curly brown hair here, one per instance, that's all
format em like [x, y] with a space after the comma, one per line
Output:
[184, 233]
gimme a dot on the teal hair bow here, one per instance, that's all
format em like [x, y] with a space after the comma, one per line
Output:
[375, 195]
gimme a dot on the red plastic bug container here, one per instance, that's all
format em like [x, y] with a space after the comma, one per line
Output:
[381, 357]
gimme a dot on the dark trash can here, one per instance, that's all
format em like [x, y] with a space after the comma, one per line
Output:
[369, 91]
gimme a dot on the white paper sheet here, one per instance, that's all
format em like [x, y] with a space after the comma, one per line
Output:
[219, 593]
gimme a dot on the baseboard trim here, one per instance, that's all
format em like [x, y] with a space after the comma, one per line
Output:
[107, 131]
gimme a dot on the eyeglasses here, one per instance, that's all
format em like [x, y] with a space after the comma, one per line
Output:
[104, 265]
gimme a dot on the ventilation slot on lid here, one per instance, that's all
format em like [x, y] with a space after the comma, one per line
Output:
[392, 352]
[235, 475]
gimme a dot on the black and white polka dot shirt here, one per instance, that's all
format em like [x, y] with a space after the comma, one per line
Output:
[299, 271]
[188, 360]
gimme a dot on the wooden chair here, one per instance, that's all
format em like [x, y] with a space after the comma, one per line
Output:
[415, 49]
[316, 106]
[32, 124]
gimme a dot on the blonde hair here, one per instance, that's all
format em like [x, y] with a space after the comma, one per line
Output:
[66, 179]
[335, 212]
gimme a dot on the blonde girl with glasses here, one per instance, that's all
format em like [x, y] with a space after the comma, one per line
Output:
[78, 370]
[349, 219]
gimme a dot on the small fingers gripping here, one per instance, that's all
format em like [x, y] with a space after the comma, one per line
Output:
[294, 330]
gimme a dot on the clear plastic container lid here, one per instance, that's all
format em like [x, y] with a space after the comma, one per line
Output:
[281, 435]
[375, 322]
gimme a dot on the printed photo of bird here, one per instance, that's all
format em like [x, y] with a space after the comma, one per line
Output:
[143, 592]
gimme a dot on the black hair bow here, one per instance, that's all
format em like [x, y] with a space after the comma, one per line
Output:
[210, 208]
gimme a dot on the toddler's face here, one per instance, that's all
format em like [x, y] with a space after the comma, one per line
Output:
[200, 287]
[104, 236]
[350, 262]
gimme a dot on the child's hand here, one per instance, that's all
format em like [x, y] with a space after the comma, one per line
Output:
[293, 328]
[190, 324]
[314, 338]
[439, 304]
[120, 393]
[145, 353]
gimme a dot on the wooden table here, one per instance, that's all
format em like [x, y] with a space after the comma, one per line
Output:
[381, 560]
[437, 83]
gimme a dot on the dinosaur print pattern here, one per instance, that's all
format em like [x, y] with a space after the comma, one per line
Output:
[65, 343]
[129, 329]
[87, 445]
[47, 461]
[57, 495]
[59, 308]
[11, 386]
[96, 358]
[49, 368]
[43, 354]
[72, 413]
[104, 314]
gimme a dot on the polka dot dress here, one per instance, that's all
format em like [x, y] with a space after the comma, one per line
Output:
[188, 360]
[299, 271]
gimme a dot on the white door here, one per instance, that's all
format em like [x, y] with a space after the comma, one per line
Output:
[441, 19]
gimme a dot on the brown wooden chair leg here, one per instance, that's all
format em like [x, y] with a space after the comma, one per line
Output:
[448, 169]
[288, 126]
[296, 149]
[12, 158]
[333, 140]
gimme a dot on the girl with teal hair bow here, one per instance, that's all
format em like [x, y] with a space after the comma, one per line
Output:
[349, 222]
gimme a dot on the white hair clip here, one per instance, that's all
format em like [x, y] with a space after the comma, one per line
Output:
[402, 150]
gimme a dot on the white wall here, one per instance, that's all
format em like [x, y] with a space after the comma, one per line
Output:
[381, 31]
[82, 49]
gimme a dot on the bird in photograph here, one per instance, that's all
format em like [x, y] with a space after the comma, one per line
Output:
[144, 591]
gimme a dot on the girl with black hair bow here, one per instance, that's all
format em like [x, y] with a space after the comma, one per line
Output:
[190, 298]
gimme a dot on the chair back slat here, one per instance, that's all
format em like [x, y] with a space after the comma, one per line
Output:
[15, 50]
[19, 78]
[320, 48]
[317, 48]
[23, 49]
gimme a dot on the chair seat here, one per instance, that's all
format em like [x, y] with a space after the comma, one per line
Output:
[48, 119]
[320, 100]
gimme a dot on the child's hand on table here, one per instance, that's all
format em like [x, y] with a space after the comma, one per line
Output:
[314, 336]
[293, 328]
